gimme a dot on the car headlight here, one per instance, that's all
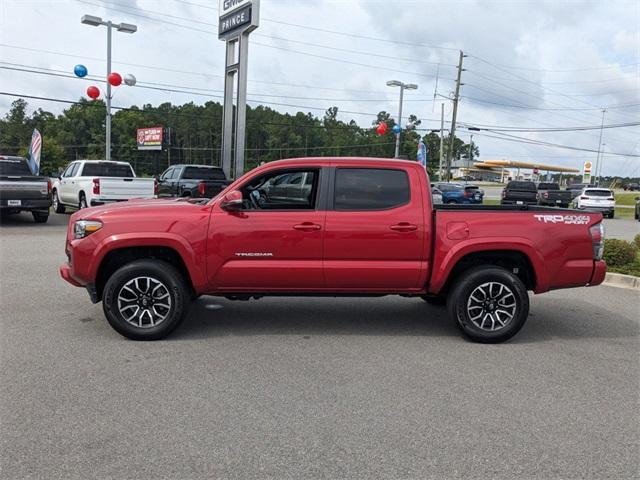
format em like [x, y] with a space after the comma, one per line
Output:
[83, 228]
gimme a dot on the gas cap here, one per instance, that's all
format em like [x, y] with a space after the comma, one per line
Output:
[457, 230]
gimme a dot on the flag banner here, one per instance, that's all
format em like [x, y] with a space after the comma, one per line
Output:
[422, 154]
[35, 149]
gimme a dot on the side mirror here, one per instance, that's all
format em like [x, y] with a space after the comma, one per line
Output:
[232, 201]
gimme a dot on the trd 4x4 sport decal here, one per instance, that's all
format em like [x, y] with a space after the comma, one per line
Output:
[566, 219]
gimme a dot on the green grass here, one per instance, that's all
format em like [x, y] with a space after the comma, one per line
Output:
[626, 198]
[620, 212]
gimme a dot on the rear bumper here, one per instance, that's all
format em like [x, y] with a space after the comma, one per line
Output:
[26, 204]
[518, 202]
[598, 208]
[599, 272]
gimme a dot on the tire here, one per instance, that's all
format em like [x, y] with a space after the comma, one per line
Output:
[451, 202]
[612, 214]
[488, 278]
[82, 203]
[436, 300]
[57, 206]
[40, 217]
[170, 287]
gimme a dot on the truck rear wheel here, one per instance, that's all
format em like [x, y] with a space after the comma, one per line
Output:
[489, 304]
[57, 206]
[145, 299]
[40, 217]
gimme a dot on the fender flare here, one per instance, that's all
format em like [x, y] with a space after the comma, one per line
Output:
[440, 273]
[177, 243]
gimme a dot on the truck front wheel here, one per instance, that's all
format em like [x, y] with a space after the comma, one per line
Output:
[145, 299]
[489, 304]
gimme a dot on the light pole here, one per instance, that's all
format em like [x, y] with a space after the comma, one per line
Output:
[403, 87]
[121, 27]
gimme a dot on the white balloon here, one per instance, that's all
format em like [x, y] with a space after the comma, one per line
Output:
[129, 80]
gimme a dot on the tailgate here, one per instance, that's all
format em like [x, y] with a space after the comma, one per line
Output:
[126, 188]
[22, 188]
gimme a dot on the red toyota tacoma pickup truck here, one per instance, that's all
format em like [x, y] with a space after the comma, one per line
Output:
[329, 226]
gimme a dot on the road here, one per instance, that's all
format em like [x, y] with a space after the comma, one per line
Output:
[309, 388]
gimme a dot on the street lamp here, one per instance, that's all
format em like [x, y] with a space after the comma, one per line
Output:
[403, 87]
[121, 27]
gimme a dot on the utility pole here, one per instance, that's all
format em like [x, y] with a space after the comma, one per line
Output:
[441, 140]
[452, 132]
[596, 170]
[469, 156]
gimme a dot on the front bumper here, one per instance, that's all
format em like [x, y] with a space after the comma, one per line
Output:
[65, 273]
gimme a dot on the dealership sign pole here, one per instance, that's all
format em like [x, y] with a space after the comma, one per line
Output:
[238, 18]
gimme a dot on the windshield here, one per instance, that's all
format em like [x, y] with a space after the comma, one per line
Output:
[105, 169]
[14, 167]
[548, 186]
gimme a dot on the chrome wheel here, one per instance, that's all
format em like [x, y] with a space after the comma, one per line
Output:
[491, 306]
[56, 204]
[144, 302]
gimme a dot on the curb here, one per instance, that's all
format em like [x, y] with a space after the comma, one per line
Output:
[622, 281]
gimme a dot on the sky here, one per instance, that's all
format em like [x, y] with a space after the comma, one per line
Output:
[528, 65]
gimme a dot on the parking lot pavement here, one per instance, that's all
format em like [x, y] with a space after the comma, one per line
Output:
[306, 387]
[622, 228]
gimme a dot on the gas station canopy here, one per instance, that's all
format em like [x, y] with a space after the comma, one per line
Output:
[497, 164]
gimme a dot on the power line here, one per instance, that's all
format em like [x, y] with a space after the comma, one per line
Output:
[532, 107]
[552, 129]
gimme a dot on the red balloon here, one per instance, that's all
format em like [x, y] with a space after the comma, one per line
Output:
[114, 79]
[93, 92]
[381, 129]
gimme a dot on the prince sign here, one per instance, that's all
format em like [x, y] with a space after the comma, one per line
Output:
[237, 16]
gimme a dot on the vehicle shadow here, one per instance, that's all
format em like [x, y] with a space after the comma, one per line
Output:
[211, 317]
[550, 319]
[23, 219]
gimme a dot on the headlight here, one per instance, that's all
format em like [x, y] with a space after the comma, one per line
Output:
[82, 228]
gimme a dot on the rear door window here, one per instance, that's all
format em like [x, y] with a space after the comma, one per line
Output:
[598, 193]
[104, 169]
[370, 189]
[14, 167]
[198, 173]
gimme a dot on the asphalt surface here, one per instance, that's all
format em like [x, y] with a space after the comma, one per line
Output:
[309, 388]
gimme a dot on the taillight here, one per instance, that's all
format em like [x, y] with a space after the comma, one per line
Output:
[201, 189]
[545, 194]
[49, 188]
[611, 198]
[597, 239]
[96, 186]
[467, 194]
[584, 198]
[504, 193]
[155, 186]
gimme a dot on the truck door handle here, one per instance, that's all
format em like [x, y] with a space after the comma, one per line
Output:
[307, 227]
[403, 227]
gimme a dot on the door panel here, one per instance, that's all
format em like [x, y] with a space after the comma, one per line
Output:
[376, 249]
[273, 244]
[252, 251]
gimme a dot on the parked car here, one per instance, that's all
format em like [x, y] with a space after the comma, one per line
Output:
[631, 187]
[518, 192]
[367, 227]
[87, 183]
[549, 194]
[637, 209]
[196, 181]
[460, 193]
[596, 199]
[290, 188]
[577, 188]
[22, 191]
[436, 196]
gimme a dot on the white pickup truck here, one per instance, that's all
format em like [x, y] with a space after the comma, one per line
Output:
[87, 183]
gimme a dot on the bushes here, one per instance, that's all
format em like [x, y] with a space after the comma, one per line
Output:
[636, 241]
[618, 253]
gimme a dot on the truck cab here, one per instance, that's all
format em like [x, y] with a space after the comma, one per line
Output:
[350, 226]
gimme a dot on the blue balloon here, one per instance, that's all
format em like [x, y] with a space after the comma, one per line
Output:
[80, 71]
[396, 129]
